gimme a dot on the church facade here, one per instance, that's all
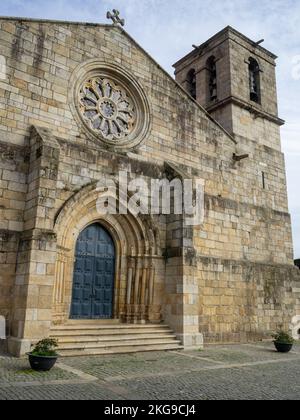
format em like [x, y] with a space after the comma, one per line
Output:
[82, 103]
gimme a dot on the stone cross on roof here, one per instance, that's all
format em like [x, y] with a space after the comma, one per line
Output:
[115, 17]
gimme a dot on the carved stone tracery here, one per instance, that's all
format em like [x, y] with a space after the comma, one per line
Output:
[109, 105]
[107, 108]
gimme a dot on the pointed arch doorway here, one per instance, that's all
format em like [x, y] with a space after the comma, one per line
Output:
[94, 275]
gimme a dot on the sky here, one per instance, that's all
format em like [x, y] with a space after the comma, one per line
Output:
[168, 28]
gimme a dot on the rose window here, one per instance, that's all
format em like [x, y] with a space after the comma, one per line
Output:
[107, 109]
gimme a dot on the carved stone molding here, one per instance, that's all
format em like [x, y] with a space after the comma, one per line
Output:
[139, 261]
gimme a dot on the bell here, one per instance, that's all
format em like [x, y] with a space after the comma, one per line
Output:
[253, 89]
[214, 93]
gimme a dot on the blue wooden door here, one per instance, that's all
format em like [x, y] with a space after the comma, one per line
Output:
[94, 275]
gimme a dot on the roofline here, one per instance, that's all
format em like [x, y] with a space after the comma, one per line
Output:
[68, 22]
[21, 19]
[228, 29]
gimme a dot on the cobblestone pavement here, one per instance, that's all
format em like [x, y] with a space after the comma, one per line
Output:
[225, 372]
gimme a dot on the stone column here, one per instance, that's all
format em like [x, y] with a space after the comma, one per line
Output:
[137, 284]
[181, 288]
[130, 290]
[62, 287]
[33, 290]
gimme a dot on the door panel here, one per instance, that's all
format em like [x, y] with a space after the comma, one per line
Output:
[94, 275]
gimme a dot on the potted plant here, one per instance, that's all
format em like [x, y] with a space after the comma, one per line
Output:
[44, 356]
[283, 342]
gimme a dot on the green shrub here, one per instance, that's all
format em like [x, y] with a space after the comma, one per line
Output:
[46, 348]
[283, 337]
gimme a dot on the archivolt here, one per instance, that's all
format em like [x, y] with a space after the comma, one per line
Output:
[137, 244]
[141, 232]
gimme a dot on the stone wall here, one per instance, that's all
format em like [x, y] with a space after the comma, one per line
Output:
[242, 301]
[14, 166]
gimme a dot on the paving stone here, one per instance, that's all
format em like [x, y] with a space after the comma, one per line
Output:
[253, 372]
[89, 391]
[18, 370]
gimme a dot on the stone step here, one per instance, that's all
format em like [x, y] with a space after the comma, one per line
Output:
[108, 332]
[120, 350]
[83, 326]
[119, 344]
[93, 322]
[111, 338]
[84, 338]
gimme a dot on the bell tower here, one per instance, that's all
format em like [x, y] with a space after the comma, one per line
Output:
[235, 81]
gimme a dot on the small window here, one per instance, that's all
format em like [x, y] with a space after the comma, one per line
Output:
[254, 81]
[192, 83]
[263, 180]
[212, 79]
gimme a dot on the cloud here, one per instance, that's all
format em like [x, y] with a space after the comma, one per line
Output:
[168, 28]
